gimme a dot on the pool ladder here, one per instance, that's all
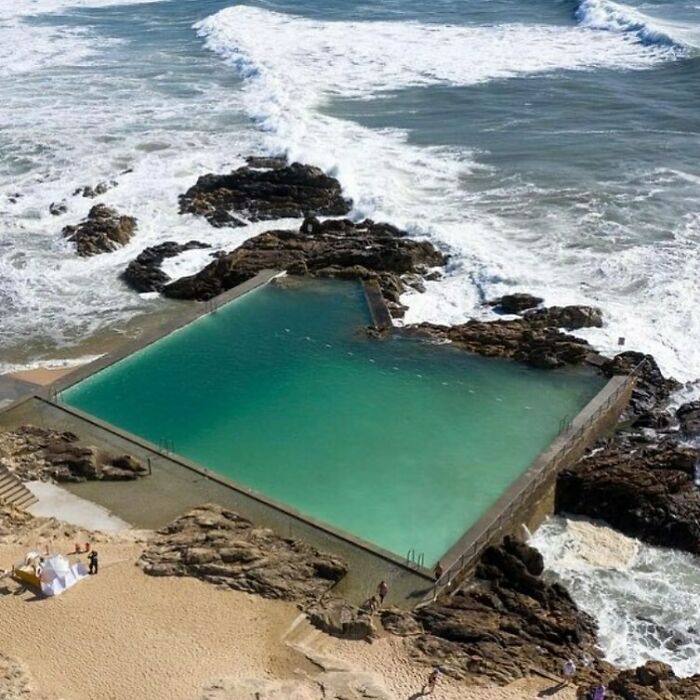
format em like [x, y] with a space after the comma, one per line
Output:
[166, 445]
[414, 559]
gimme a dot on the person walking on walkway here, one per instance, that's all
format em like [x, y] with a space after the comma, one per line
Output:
[94, 562]
[382, 591]
[439, 571]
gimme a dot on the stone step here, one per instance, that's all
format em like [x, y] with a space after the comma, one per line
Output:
[13, 492]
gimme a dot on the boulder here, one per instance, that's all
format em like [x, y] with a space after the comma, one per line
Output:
[144, 274]
[219, 546]
[643, 489]
[40, 454]
[56, 209]
[91, 192]
[515, 303]
[334, 248]
[654, 681]
[569, 317]
[688, 415]
[256, 193]
[103, 231]
[339, 618]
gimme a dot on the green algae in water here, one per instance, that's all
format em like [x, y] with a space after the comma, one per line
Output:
[399, 442]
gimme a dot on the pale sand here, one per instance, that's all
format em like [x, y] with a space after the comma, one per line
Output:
[122, 635]
[42, 376]
[600, 545]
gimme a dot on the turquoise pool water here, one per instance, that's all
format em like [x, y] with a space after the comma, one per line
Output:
[400, 442]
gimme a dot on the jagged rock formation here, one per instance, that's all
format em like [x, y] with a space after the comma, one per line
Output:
[144, 274]
[507, 622]
[519, 339]
[261, 194]
[569, 317]
[653, 681]
[515, 303]
[688, 416]
[647, 407]
[103, 231]
[334, 248]
[339, 618]
[640, 486]
[34, 453]
[219, 546]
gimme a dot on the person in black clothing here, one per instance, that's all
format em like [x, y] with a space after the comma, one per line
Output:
[94, 563]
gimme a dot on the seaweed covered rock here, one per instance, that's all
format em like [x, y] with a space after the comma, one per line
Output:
[103, 231]
[264, 193]
[644, 489]
[144, 274]
[506, 623]
[334, 248]
[520, 339]
[217, 545]
[40, 454]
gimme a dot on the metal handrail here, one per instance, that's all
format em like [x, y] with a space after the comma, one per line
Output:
[537, 481]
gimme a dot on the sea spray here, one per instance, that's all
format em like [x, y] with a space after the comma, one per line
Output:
[644, 598]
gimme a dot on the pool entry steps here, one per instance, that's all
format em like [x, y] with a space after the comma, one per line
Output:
[280, 406]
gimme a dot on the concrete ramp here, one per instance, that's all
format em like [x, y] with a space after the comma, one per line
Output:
[13, 492]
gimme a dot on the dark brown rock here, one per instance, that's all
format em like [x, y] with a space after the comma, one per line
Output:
[644, 490]
[338, 618]
[519, 339]
[103, 231]
[144, 274]
[91, 192]
[217, 545]
[653, 681]
[569, 317]
[335, 248]
[254, 194]
[515, 303]
[34, 453]
[688, 415]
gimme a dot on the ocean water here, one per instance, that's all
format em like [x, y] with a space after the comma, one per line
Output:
[549, 146]
[400, 442]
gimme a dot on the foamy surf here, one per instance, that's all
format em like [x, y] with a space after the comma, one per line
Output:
[644, 598]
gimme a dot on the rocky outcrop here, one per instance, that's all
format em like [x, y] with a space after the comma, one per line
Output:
[219, 546]
[34, 453]
[144, 274]
[91, 192]
[639, 486]
[531, 343]
[262, 194]
[509, 621]
[337, 617]
[653, 681]
[334, 248]
[648, 405]
[515, 303]
[103, 231]
[688, 415]
[16, 683]
[569, 317]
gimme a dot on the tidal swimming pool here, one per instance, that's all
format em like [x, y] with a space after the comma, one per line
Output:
[399, 442]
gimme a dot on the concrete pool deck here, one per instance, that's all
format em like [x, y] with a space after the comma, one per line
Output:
[177, 484]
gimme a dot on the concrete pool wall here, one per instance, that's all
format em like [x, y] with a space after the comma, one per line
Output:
[178, 484]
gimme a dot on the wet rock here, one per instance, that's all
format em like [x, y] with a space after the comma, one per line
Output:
[519, 339]
[688, 416]
[91, 192]
[57, 208]
[507, 622]
[400, 622]
[648, 405]
[643, 490]
[569, 317]
[654, 681]
[217, 545]
[254, 194]
[266, 162]
[339, 618]
[335, 248]
[103, 231]
[14, 197]
[515, 303]
[40, 454]
[144, 274]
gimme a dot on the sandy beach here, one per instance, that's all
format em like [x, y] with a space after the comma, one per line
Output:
[43, 376]
[122, 634]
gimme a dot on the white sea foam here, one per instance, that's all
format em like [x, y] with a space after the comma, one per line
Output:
[645, 605]
[294, 66]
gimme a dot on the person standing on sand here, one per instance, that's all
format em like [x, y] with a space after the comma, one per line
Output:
[433, 678]
[94, 563]
[568, 671]
[382, 591]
